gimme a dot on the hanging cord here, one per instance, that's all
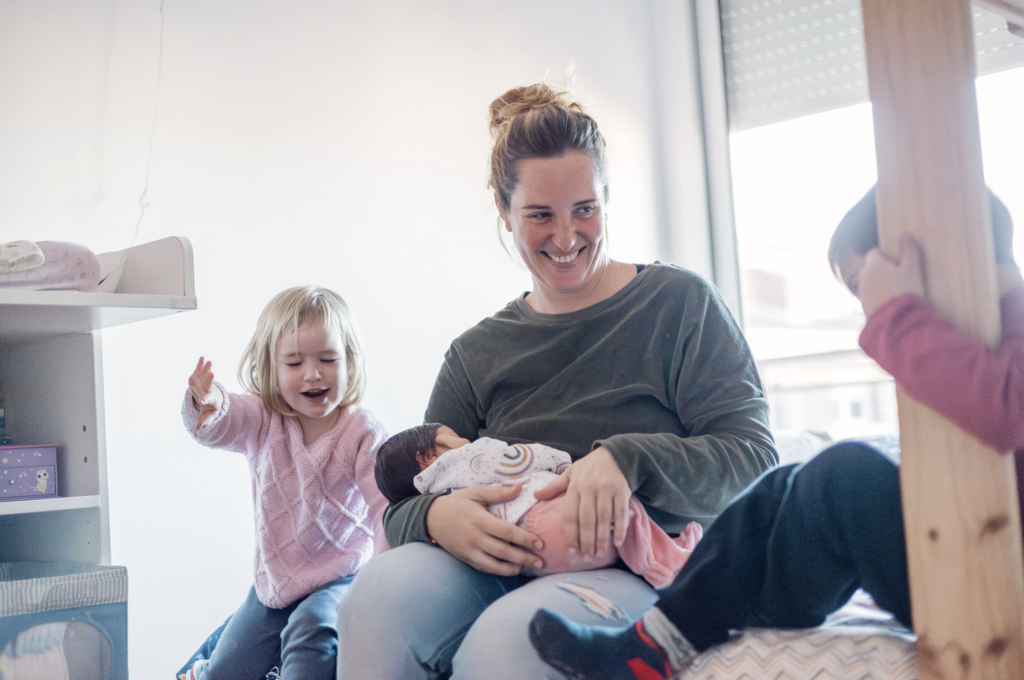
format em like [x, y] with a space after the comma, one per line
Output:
[144, 196]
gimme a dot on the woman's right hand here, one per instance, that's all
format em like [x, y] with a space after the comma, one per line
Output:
[201, 384]
[460, 523]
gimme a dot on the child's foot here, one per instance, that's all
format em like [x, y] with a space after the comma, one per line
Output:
[596, 652]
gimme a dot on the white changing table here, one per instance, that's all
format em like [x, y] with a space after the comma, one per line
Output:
[51, 373]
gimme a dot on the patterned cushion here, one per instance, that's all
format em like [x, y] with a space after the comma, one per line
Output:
[859, 642]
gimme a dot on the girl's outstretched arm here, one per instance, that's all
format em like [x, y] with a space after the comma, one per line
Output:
[238, 422]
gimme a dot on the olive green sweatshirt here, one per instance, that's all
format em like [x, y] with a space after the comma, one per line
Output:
[659, 374]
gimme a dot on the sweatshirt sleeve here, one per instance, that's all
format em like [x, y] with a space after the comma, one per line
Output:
[406, 521]
[712, 383]
[239, 423]
[452, 403]
[979, 390]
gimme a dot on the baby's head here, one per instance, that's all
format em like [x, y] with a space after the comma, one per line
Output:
[409, 453]
[857, 233]
[306, 356]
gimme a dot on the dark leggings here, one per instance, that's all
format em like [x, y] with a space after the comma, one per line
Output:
[793, 548]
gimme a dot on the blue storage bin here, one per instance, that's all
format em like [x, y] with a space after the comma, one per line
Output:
[63, 620]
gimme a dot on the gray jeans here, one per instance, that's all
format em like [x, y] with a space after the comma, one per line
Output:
[416, 612]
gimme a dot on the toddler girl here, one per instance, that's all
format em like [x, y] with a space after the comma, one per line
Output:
[311, 451]
[432, 458]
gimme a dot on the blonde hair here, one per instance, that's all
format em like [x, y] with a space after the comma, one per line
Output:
[289, 310]
[538, 121]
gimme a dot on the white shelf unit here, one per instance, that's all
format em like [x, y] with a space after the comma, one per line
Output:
[51, 373]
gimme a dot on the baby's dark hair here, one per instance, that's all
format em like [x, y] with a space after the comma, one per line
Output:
[858, 230]
[396, 465]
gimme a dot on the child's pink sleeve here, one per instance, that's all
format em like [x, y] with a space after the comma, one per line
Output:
[366, 457]
[239, 424]
[980, 391]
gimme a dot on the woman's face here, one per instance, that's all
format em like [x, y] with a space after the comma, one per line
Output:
[556, 216]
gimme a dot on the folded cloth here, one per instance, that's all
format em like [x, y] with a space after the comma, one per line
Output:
[17, 256]
[68, 266]
[36, 654]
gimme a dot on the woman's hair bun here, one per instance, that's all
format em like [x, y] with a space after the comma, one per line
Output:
[520, 100]
[538, 121]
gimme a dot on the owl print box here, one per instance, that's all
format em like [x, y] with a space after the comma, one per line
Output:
[28, 472]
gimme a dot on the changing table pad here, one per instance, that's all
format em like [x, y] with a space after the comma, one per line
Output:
[859, 642]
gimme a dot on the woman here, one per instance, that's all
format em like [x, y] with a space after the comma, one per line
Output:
[639, 372]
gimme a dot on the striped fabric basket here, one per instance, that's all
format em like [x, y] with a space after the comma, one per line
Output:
[32, 587]
[59, 617]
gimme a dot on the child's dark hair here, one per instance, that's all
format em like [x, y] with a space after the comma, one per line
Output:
[396, 465]
[858, 230]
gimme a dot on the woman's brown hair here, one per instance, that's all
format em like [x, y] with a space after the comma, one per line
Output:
[538, 121]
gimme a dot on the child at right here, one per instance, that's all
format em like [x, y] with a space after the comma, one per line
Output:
[795, 545]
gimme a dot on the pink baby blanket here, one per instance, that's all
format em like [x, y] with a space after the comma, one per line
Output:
[64, 266]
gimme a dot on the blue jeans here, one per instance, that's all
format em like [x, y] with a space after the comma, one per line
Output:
[416, 612]
[303, 636]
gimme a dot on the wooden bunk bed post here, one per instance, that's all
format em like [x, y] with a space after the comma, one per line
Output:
[959, 497]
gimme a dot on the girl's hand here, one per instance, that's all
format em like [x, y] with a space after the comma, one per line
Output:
[883, 279]
[460, 523]
[201, 382]
[598, 502]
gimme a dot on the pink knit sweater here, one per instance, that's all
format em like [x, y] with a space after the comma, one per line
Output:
[318, 509]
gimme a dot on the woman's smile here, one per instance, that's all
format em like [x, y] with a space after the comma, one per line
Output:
[564, 259]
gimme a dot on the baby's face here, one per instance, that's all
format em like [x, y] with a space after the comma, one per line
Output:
[445, 440]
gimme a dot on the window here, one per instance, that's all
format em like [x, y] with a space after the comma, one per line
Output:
[793, 181]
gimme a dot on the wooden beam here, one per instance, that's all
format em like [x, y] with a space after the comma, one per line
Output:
[959, 497]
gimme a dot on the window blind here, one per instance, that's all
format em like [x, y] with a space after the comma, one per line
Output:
[791, 58]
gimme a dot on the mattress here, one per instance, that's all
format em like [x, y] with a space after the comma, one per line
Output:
[859, 642]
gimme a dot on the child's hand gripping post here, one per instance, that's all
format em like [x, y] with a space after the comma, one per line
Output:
[206, 399]
[883, 279]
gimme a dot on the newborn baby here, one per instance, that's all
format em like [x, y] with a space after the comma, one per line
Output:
[434, 458]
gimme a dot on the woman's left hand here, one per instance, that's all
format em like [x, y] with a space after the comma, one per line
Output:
[598, 500]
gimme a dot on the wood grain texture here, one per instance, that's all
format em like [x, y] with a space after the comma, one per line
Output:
[959, 497]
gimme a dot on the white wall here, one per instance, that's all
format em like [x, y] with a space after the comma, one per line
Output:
[337, 143]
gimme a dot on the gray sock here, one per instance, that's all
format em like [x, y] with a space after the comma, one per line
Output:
[678, 649]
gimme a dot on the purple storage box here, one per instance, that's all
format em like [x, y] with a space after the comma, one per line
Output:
[28, 472]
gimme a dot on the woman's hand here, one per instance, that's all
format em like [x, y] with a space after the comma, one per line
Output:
[460, 523]
[201, 382]
[598, 500]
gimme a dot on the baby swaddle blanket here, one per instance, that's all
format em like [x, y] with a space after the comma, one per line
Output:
[17, 256]
[491, 461]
